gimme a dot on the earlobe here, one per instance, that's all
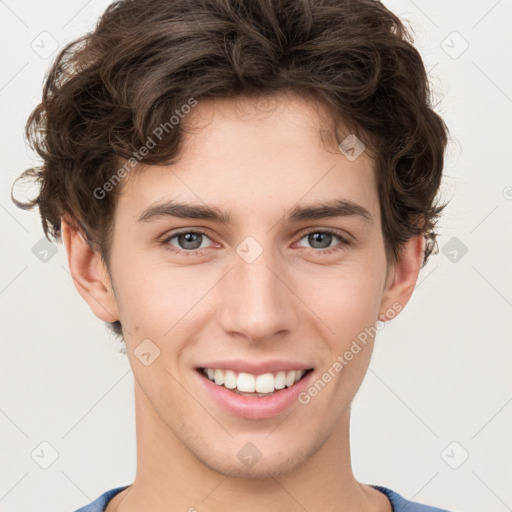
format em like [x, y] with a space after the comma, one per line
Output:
[402, 277]
[89, 273]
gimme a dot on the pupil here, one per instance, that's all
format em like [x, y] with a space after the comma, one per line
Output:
[315, 237]
[190, 240]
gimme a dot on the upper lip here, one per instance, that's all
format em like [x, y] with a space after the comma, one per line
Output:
[256, 367]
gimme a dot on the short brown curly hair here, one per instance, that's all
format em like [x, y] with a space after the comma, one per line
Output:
[108, 90]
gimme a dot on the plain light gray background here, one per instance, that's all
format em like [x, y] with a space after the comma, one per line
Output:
[439, 387]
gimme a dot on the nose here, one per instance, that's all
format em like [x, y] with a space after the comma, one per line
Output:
[257, 299]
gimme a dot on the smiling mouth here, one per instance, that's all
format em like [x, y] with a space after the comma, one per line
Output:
[246, 384]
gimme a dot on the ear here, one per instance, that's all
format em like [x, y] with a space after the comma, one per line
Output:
[402, 277]
[89, 273]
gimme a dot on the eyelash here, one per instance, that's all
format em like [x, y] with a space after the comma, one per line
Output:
[195, 252]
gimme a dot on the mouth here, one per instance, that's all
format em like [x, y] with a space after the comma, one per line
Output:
[251, 385]
[254, 396]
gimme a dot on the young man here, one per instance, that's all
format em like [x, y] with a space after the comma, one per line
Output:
[244, 190]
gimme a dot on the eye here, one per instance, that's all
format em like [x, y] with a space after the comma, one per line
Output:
[321, 241]
[190, 243]
[186, 242]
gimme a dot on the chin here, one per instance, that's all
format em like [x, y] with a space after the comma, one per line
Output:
[271, 462]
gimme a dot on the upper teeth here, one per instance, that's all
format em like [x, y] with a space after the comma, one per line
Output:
[246, 382]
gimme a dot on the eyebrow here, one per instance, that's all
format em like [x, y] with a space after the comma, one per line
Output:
[337, 208]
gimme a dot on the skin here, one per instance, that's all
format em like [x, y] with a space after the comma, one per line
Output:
[257, 158]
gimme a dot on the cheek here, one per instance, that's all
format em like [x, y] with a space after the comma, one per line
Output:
[346, 301]
[158, 301]
[348, 311]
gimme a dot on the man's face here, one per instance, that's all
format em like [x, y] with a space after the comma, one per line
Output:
[262, 292]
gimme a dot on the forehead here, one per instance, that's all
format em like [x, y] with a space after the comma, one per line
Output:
[291, 114]
[279, 149]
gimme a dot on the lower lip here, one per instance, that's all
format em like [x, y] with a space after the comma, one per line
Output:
[253, 407]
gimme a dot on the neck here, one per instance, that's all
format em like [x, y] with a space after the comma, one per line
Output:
[170, 476]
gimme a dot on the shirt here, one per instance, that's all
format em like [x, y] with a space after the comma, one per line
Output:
[399, 503]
